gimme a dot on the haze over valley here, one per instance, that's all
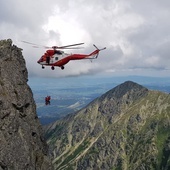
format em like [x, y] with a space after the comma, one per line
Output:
[70, 94]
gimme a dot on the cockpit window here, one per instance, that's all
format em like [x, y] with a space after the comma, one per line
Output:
[41, 59]
[58, 52]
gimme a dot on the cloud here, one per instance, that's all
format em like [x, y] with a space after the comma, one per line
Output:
[136, 34]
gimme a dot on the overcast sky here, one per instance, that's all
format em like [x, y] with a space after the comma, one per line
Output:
[135, 32]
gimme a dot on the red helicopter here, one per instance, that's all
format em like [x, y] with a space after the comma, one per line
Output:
[55, 57]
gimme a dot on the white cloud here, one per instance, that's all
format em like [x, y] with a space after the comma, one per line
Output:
[69, 31]
[153, 60]
[136, 33]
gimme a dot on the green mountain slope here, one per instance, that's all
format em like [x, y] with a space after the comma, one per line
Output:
[126, 128]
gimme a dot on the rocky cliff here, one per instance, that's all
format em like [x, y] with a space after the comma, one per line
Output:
[127, 128]
[22, 146]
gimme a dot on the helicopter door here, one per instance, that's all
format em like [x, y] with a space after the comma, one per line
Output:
[54, 59]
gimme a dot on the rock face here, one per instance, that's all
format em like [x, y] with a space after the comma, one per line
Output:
[22, 144]
[127, 128]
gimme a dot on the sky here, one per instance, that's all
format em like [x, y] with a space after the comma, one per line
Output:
[136, 34]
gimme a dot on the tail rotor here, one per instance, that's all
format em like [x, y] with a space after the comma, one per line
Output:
[98, 49]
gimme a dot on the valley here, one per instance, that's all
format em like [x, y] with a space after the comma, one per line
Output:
[71, 94]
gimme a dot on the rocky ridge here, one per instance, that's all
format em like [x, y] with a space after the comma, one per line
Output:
[22, 144]
[126, 128]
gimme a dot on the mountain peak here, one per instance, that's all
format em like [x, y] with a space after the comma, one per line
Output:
[129, 91]
[115, 131]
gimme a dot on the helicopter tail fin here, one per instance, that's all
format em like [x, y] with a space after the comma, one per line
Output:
[96, 52]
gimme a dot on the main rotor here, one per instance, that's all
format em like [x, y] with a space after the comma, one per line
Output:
[55, 47]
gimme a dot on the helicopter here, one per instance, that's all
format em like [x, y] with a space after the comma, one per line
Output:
[55, 57]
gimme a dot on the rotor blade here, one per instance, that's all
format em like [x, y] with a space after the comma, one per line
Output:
[61, 47]
[102, 48]
[67, 48]
[95, 46]
[35, 45]
[97, 55]
[70, 45]
[28, 42]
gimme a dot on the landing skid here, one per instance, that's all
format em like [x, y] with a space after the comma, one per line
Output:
[53, 68]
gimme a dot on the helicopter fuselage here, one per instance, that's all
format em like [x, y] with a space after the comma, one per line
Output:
[59, 58]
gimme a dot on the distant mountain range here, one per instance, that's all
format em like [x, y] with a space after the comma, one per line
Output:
[80, 91]
[128, 128]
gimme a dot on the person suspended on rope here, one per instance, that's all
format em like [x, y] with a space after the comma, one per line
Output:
[47, 100]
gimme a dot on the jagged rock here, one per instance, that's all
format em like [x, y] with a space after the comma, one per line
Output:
[126, 128]
[22, 144]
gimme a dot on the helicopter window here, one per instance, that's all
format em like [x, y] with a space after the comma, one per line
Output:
[58, 52]
[56, 58]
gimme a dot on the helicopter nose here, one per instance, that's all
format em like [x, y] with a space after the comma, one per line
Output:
[39, 61]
